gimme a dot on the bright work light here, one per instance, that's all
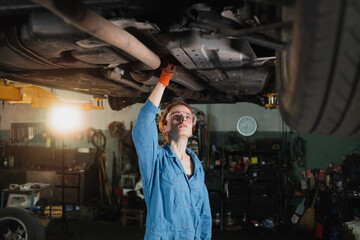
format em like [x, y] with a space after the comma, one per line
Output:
[65, 118]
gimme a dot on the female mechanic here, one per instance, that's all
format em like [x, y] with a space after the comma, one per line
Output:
[175, 193]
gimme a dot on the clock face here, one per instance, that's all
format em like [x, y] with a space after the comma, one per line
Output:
[246, 126]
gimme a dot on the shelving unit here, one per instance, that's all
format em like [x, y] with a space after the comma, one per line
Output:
[248, 190]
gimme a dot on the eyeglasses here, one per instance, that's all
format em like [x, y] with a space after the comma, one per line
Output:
[181, 116]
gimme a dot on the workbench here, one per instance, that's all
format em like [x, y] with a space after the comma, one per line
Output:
[30, 192]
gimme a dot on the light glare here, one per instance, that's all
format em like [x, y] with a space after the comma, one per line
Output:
[65, 118]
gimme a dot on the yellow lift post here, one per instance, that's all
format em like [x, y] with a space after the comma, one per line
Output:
[271, 101]
[39, 97]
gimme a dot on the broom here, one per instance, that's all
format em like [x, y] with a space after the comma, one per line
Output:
[307, 222]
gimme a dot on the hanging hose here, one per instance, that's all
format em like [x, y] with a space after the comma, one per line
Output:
[98, 139]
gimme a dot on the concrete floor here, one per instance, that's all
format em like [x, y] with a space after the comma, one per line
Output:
[113, 230]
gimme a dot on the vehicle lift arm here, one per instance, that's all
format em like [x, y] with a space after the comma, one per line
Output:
[39, 97]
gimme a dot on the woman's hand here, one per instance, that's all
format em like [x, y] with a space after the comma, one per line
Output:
[167, 74]
[158, 91]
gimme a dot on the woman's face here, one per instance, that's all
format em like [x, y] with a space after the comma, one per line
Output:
[179, 122]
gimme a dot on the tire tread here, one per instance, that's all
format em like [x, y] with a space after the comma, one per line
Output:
[323, 94]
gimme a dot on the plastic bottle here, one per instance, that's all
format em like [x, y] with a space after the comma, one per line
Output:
[217, 219]
[5, 163]
[11, 161]
[244, 221]
[229, 221]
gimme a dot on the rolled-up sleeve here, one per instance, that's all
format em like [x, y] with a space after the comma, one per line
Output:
[145, 136]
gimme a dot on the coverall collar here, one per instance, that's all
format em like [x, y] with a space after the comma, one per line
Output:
[170, 154]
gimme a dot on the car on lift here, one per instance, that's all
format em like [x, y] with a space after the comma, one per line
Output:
[307, 52]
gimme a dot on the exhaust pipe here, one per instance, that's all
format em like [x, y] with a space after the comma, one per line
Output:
[75, 13]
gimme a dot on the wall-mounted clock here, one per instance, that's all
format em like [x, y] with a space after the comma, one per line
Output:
[246, 126]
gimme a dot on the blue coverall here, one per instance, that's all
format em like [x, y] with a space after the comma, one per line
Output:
[178, 207]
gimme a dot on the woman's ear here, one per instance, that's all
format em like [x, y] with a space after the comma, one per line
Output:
[163, 129]
[166, 129]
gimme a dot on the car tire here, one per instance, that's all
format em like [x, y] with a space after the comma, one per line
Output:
[318, 78]
[18, 223]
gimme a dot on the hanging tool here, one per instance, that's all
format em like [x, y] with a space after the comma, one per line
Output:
[299, 151]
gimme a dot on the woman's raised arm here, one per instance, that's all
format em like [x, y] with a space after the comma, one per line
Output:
[158, 91]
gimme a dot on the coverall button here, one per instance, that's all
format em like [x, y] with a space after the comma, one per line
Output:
[172, 180]
[185, 225]
[187, 206]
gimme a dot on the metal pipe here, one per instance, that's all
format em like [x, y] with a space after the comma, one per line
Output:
[229, 32]
[189, 94]
[187, 80]
[266, 42]
[252, 35]
[116, 76]
[75, 13]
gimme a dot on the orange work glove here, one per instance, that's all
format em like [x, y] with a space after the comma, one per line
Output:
[167, 74]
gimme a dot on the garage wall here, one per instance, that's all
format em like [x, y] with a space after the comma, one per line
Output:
[10, 114]
[223, 118]
[321, 150]
[100, 119]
